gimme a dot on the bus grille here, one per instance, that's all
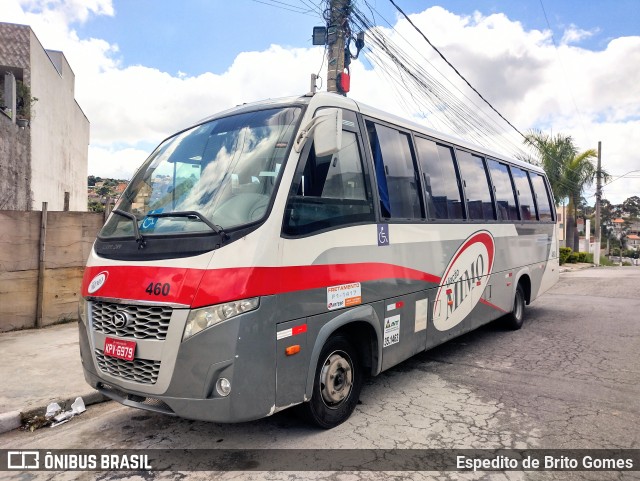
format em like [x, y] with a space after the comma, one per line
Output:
[143, 371]
[145, 322]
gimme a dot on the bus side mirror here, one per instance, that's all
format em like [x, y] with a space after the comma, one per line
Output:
[325, 129]
[327, 136]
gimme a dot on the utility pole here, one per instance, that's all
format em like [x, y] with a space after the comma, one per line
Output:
[596, 253]
[339, 14]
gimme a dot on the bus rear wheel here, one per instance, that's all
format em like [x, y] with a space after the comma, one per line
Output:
[515, 318]
[337, 384]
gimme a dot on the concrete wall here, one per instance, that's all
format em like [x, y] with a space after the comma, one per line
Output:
[15, 166]
[69, 237]
[59, 133]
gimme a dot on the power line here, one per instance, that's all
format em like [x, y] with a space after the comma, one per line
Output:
[454, 69]
[284, 6]
[436, 98]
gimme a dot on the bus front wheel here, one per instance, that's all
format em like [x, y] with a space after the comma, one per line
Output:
[515, 318]
[337, 384]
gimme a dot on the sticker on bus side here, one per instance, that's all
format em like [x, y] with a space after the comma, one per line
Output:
[422, 307]
[344, 295]
[464, 280]
[391, 330]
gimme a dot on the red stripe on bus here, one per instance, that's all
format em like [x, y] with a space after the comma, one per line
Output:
[200, 287]
[298, 329]
[487, 303]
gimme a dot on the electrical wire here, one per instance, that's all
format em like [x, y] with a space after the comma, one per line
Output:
[454, 68]
[436, 104]
[463, 118]
[283, 6]
[459, 117]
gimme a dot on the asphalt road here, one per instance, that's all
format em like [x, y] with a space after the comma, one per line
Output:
[568, 379]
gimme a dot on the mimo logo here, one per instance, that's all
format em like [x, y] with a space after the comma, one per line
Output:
[97, 282]
[464, 280]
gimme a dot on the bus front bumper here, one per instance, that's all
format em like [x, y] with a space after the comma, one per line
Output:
[191, 369]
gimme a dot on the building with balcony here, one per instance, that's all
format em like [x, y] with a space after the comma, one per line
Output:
[44, 134]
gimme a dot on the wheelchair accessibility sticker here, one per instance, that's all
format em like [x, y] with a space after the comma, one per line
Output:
[383, 234]
[149, 223]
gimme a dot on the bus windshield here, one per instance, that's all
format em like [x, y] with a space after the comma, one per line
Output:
[220, 174]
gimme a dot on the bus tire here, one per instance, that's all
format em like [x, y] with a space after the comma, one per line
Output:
[337, 384]
[515, 318]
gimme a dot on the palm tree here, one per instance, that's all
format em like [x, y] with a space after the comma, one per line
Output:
[568, 170]
[579, 173]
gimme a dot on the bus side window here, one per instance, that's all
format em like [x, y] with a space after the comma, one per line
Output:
[396, 173]
[441, 184]
[542, 197]
[329, 191]
[525, 195]
[476, 186]
[503, 189]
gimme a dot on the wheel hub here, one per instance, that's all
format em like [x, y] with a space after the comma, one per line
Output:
[336, 378]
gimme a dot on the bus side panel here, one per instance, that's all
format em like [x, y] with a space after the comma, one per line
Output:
[404, 329]
[291, 369]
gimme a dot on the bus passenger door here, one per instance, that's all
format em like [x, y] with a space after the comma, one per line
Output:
[404, 329]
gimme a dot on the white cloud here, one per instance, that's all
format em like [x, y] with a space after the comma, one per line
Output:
[115, 163]
[592, 95]
[574, 34]
[69, 10]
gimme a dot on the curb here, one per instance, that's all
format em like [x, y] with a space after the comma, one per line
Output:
[575, 267]
[13, 419]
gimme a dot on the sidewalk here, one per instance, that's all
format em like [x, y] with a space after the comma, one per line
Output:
[38, 367]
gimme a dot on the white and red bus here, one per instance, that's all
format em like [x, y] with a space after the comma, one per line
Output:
[277, 253]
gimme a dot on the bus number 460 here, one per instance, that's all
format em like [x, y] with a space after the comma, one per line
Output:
[158, 289]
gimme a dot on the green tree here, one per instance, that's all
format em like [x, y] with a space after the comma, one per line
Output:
[579, 173]
[103, 191]
[632, 206]
[569, 172]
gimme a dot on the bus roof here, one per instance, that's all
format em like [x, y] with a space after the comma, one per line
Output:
[328, 99]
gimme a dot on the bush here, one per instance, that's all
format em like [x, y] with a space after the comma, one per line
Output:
[604, 261]
[584, 257]
[564, 254]
[627, 264]
[573, 258]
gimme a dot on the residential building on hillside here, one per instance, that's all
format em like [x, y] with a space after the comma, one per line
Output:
[44, 142]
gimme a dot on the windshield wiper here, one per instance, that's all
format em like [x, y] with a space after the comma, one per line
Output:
[139, 239]
[192, 214]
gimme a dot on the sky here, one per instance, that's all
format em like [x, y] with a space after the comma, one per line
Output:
[147, 68]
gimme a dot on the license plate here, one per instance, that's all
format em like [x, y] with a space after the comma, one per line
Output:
[119, 348]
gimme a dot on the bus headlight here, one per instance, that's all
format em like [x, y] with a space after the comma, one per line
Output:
[82, 310]
[201, 319]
